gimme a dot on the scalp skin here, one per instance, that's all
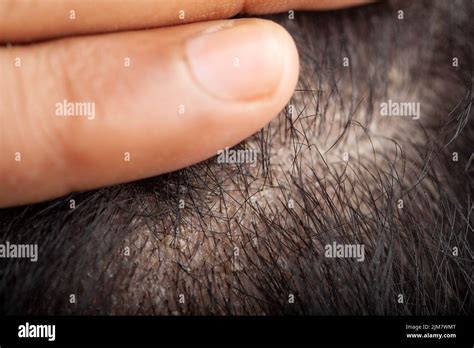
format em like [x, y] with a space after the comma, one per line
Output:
[191, 251]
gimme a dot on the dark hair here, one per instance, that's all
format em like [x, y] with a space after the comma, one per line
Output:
[392, 184]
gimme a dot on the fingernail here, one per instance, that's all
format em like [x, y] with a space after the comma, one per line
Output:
[242, 60]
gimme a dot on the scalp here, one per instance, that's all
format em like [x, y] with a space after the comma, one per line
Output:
[192, 251]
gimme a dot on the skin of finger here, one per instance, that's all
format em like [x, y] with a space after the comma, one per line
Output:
[29, 20]
[137, 110]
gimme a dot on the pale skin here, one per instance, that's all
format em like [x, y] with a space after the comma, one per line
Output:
[170, 93]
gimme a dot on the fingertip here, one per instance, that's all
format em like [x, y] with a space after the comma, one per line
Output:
[244, 98]
[243, 60]
[290, 60]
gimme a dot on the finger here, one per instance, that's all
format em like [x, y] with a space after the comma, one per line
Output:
[99, 110]
[25, 20]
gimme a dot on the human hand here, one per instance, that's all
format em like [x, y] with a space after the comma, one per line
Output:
[82, 111]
